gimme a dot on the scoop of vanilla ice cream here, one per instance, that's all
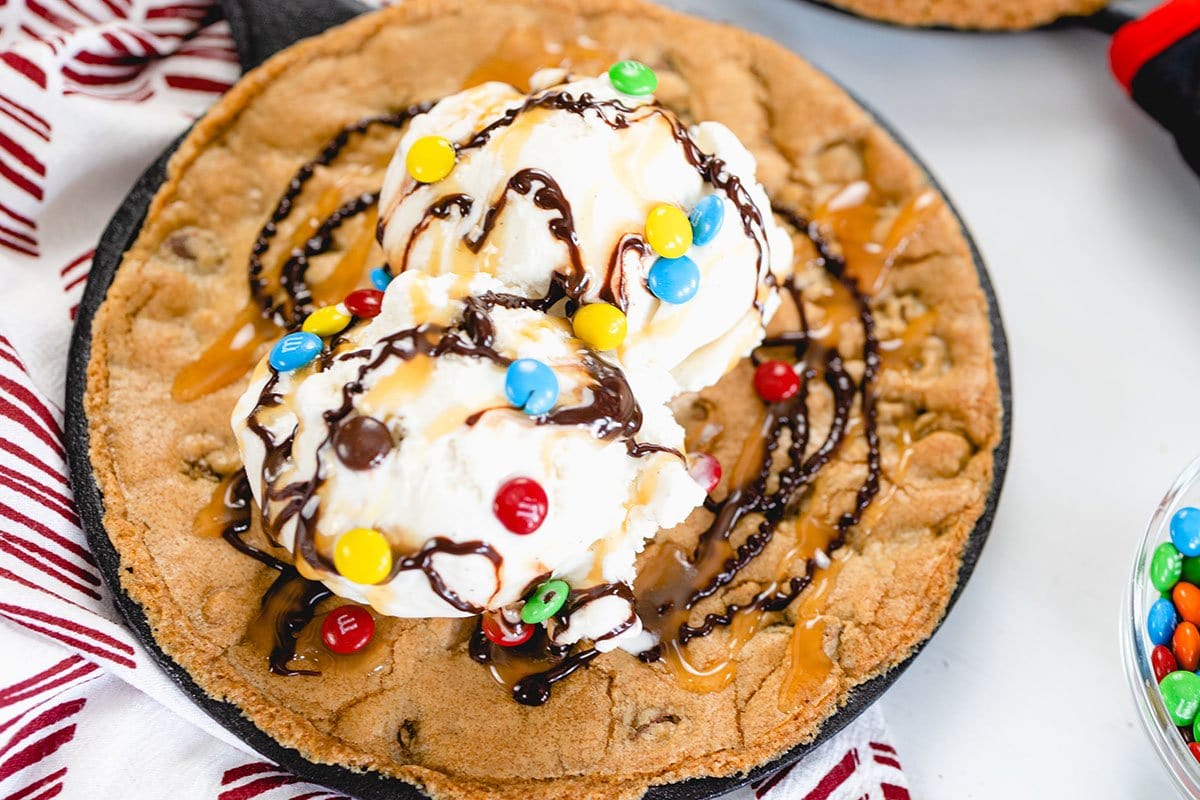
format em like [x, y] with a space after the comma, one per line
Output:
[443, 470]
[611, 158]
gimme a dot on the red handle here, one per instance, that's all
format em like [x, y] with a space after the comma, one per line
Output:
[1157, 60]
[1137, 42]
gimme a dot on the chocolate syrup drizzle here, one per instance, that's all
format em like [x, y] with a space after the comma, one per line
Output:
[291, 278]
[281, 313]
[613, 411]
[616, 115]
[288, 624]
[791, 415]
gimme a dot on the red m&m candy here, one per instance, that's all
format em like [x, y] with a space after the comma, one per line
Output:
[503, 633]
[521, 505]
[364, 302]
[1163, 661]
[776, 381]
[705, 470]
[347, 629]
[1194, 749]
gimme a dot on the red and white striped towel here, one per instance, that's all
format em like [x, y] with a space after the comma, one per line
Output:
[90, 92]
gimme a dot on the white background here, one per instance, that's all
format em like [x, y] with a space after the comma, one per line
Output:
[1088, 222]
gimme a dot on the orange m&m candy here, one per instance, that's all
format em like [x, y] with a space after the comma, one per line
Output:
[1186, 644]
[1186, 597]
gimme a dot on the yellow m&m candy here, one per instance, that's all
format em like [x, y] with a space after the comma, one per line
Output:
[668, 231]
[430, 158]
[326, 321]
[363, 555]
[600, 325]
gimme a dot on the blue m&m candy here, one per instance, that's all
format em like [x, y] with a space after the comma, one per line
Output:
[1161, 621]
[294, 351]
[674, 280]
[1185, 531]
[380, 278]
[531, 386]
[706, 219]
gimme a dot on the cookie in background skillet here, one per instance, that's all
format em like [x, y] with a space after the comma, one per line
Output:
[485, 349]
[969, 14]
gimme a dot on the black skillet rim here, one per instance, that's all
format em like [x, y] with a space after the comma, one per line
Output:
[120, 234]
[1106, 20]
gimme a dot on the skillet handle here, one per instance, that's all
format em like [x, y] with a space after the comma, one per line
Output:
[262, 28]
[1157, 60]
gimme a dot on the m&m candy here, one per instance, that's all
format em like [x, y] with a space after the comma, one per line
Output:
[706, 219]
[326, 321]
[601, 325]
[364, 303]
[776, 381]
[1181, 695]
[430, 159]
[1166, 567]
[1162, 660]
[1186, 598]
[668, 231]
[1185, 531]
[705, 470]
[521, 505]
[347, 629]
[674, 280]
[294, 351]
[1186, 644]
[503, 633]
[380, 278]
[1161, 621]
[363, 555]
[632, 78]
[1191, 571]
[545, 602]
[531, 386]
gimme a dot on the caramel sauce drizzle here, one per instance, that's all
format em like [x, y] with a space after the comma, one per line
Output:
[266, 315]
[904, 351]
[851, 218]
[526, 49]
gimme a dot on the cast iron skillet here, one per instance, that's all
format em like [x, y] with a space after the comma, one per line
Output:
[260, 28]
[1106, 20]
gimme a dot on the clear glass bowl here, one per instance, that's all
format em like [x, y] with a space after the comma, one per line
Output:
[1168, 743]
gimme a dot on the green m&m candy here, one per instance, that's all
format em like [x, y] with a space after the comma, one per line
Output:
[1166, 566]
[1181, 695]
[1191, 570]
[632, 77]
[546, 601]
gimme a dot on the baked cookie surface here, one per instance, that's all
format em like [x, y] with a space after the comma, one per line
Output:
[970, 14]
[415, 705]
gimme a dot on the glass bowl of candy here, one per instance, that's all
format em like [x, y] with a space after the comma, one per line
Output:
[1161, 638]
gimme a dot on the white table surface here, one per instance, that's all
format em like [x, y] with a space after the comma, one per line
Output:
[1088, 222]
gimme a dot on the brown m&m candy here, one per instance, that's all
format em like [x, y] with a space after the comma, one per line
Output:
[362, 442]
